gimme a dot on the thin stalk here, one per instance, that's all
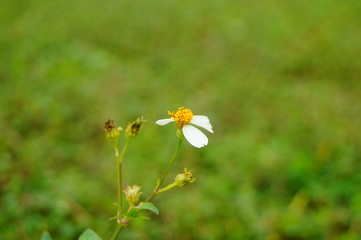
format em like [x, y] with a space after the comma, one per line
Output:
[116, 232]
[169, 187]
[170, 164]
[119, 158]
[119, 172]
[119, 176]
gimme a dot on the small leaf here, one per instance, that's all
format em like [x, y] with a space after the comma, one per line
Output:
[45, 236]
[89, 234]
[133, 213]
[149, 206]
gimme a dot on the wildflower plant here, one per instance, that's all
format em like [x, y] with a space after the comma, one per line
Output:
[186, 124]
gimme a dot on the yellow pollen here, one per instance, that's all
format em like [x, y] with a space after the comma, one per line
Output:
[182, 116]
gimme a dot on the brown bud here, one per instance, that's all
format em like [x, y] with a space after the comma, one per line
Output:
[111, 131]
[134, 127]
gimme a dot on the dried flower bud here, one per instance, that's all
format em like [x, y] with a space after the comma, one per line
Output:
[134, 127]
[132, 194]
[184, 178]
[111, 131]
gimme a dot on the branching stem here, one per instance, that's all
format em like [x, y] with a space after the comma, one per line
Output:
[119, 157]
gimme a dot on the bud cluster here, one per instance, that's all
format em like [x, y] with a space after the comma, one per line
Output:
[134, 127]
[112, 132]
[184, 178]
[132, 194]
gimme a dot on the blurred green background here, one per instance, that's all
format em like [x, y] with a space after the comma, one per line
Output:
[280, 81]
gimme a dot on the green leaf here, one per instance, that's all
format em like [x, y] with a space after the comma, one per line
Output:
[89, 234]
[133, 213]
[45, 236]
[144, 217]
[149, 206]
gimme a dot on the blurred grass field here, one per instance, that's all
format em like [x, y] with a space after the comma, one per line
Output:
[280, 81]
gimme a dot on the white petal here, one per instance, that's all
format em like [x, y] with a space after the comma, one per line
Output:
[202, 121]
[164, 121]
[195, 136]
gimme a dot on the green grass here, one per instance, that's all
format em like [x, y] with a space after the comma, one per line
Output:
[280, 81]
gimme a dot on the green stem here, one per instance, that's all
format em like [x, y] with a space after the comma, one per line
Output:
[116, 232]
[119, 157]
[119, 176]
[119, 172]
[166, 188]
[170, 164]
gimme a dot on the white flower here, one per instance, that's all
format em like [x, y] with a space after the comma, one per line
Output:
[186, 121]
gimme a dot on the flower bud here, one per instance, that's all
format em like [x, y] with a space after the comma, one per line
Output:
[134, 127]
[184, 178]
[132, 194]
[111, 132]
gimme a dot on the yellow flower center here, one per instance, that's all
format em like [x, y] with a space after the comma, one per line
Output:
[182, 116]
